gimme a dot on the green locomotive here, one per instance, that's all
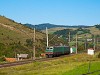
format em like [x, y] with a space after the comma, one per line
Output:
[57, 51]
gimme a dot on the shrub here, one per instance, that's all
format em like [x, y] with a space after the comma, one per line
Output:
[2, 58]
[97, 55]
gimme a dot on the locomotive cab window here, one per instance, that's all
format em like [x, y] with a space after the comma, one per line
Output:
[51, 48]
[47, 47]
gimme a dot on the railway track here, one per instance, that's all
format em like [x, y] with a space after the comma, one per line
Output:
[14, 63]
[29, 61]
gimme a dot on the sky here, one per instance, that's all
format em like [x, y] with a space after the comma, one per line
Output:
[59, 12]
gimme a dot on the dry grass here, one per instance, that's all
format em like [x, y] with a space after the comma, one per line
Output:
[11, 31]
[94, 31]
[52, 30]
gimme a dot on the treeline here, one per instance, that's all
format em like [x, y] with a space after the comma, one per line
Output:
[65, 32]
[97, 26]
[9, 50]
[14, 48]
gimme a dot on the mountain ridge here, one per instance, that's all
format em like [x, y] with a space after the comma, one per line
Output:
[48, 25]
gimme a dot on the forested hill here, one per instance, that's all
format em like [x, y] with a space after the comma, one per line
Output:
[48, 25]
[97, 26]
[43, 26]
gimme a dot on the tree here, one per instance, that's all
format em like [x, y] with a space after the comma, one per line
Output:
[29, 42]
[97, 26]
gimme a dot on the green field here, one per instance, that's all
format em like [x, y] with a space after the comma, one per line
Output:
[72, 65]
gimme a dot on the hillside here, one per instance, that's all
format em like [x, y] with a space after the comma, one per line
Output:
[16, 31]
[94, 30]
[83, 34]
[97, 26]
[78, 31]
[17, 38]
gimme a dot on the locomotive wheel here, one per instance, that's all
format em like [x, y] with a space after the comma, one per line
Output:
[47, 56]
[50, 56]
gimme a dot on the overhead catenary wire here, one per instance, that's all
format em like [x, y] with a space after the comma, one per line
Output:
[52, 38]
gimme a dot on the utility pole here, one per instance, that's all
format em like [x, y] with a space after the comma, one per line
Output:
[94, 43]
[97, 43]
[47, 35]
[69, 37]
[34, 45]
[76, 43]
[85, 42]
[89, 66]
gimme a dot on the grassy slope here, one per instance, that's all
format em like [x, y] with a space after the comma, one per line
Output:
[73, 65]
[94, 31]
[11, 31]
[18, 31]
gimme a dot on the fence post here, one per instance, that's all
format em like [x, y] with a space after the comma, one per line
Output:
[89, 66]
